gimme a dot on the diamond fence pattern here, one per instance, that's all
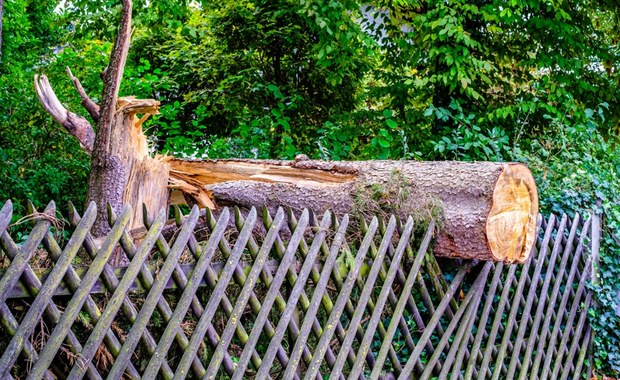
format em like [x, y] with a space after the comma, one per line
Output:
[290, 295]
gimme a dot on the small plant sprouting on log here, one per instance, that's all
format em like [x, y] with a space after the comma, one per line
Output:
[394, 197]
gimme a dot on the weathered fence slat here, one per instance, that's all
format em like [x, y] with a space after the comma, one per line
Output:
[186, 298]
[304, 302]
[523, 325]
[569, 322]
[490, 343]
[20, 258]
[53, 280]
[292, 296]
[239, 277]
[51, 311]
[345, 291]
[248, 287]
[567, 292]
[584, 345]
[154, 296]
[391, 296]
[465, 307]
[481, 328]
[6, 317]
[116, 301]
[226, 304]
[400, 306]
[437, 314]
[276, 285]
[205, 320]
[541, 337]
[111, 282]
[363, 300]
[457, 349]
[382, 298]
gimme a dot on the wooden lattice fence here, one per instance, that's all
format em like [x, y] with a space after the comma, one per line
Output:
[293, 296]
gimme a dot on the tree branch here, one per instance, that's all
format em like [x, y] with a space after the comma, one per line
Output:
[74, 124]
[112, 78]
[88, 103]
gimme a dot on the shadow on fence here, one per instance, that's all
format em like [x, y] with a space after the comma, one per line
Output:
[302, 297]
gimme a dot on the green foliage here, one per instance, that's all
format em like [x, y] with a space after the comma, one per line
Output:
[39, 160]
[576, 166]
[252, 68]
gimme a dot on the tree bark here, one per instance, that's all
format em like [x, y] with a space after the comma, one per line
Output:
[111, 164]
[124, 172]
[485, 211]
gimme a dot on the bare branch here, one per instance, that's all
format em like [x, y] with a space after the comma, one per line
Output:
[112, 78]
[74, 124]
[88, 103]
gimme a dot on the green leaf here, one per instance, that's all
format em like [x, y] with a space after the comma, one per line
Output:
[383, 143]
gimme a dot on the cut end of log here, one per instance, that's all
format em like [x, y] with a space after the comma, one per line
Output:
[511, 224]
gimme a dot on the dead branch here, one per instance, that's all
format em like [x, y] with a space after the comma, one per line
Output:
[88, 103]
[73, 123]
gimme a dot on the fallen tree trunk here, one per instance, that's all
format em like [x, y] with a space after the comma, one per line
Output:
[485, 210]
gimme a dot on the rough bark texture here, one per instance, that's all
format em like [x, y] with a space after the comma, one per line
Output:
[487, 211]
[126, 173]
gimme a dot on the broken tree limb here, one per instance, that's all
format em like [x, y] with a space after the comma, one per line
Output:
[87, 102]
[74, 124]
[129, 174]
[487, 211]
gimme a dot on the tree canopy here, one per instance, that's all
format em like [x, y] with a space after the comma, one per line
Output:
[531, 81]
